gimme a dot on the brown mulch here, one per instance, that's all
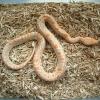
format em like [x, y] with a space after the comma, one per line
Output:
[82, 77]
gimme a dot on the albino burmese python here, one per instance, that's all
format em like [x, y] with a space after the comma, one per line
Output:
[45, 34]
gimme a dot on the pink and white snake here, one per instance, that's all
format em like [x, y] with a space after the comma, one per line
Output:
[37, 54]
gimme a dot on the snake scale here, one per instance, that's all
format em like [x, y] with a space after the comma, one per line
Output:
[40, 37]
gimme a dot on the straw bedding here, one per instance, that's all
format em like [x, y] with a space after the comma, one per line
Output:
[82, 77]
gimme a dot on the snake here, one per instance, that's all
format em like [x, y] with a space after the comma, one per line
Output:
[43, 35]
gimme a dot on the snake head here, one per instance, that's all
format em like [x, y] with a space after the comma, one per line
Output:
[90, 41]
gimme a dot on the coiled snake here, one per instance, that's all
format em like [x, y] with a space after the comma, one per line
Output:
[40, 37]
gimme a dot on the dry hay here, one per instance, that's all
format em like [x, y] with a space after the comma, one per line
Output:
[82, 77]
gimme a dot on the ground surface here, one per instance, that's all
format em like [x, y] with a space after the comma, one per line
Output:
[82, 77]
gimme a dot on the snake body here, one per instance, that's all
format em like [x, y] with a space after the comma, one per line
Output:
[37, 53]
